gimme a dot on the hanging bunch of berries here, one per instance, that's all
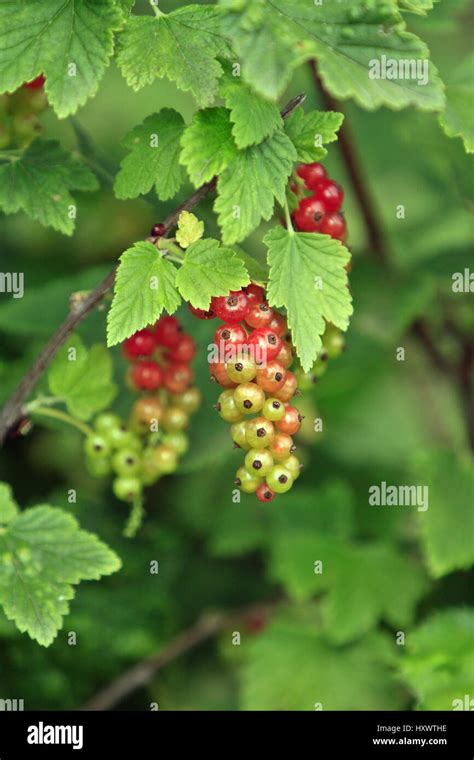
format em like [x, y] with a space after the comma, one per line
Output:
[254, 356]
[19, 114]
[319, 202]
[149, 445]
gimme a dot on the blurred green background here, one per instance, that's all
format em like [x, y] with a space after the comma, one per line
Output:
[331, 639]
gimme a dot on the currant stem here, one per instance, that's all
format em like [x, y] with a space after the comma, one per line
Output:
[56, 414]
[154, 5]
[135, 518]
[289, 223]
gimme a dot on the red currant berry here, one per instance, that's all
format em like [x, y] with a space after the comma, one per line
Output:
[254, 293]
[168, 332]
[288, 388]
[285, 357]
[264, 493]
[290, 423]
[259, 315]
[271, 377]
[201, 313]
[184, 351]
[281, 447]
[312, 174]
[278, 324]
[158, 230]
[146, 376]
[232, 308]
[230, 334]
[219, 373]
[309, 215]
[142, 343]
[331, 194]
[36, 84]
[177, 377]
[267, 344]
[334, 225]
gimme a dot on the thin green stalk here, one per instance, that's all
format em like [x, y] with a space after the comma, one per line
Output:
[154, 5]
[289, 223]
[56, 414]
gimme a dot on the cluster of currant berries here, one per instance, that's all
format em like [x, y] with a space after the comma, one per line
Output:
[19, 122]
[149, 445]
[319, 211]
[254, 355]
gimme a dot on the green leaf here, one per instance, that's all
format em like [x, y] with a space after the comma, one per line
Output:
[190, 229]
[448, 523]
[82, 378]
[40, 182]
[43, 553]
[308, 277]
[69, 41]
[310, 672]
[209, 270]
[457, 119]
[8, 505]
[269, 48]
[253, 117]
[346, 38]
[144, 286]
[258, 270]
[439, 661]
[182, 45]
[153, 159]
[208, 145]
[247, 188]
[308, 132]
[420, 7]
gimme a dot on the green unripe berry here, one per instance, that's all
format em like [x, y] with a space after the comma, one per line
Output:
[242, 370]
[238, 434]
[96, 446]
[126, 462]
[107, 421]
[273, 409]
[292, 464]
[259, 462]
[127, 489]
[279, 479]
[190, 400]
[260, 433]
[227, 408]
[249, 398]
[178, 441]
[121, 438]
[333, 342]
[98, 466]
[247, 482]
[161, 460]
[174, 419]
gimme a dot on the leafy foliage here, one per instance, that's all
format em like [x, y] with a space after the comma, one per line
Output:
[247, 188]
[43, 555]
[254, 118]
[82, 379]
[190, 229]
[183, 46]
[144, 286]
[70, 41]
[317, 263]
[310, 673]
[456, 120]
[208, 146]
[308, 132]
[40, 181]
[439, 663]
[153, 158]
[209, 270]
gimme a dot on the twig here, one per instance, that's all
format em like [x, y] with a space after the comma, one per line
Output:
[141, 674]
[346, 143]
[14, 407]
